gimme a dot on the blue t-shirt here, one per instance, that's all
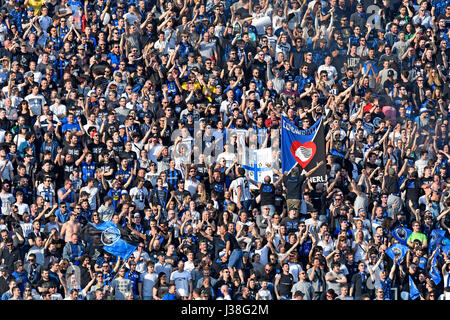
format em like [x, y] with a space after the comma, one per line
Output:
[169, 296]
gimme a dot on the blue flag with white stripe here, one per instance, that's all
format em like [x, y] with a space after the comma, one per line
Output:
[413, 291]
[256, 165]
[397, 250]
[401, 234]
[116, 241]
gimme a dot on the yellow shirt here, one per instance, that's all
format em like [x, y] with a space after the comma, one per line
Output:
[36, 5]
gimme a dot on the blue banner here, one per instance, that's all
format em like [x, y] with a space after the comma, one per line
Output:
[413, 291]
[437, 236]
[401, 234]
[114, 240]
[446, 250]
[397, 250]
[303, 147]
[434, 270]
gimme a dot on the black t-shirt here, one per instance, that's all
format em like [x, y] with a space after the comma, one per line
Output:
[294, 186]
[291, 224]
[218, 187]
[131, 156]
[391, 184]
[106, 166]
[110, 128]
[413, 190]
[96, 149]
[243, 13]
[180, 194]
[233, 242]
[285, 284]
[353, 61]
[47, 283]
[75, 151]
[118, 147]
[267, 191]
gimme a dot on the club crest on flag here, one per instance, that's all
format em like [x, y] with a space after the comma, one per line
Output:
[117, 242]
[397, 252]
[303, 152]
[110, 236]
[401, 234]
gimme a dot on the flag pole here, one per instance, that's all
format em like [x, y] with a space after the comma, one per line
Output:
[124, 261]
[292, 167]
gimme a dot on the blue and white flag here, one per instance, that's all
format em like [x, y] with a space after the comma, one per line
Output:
[397, 250]
[401, 234]
[434, 270]
[436, 239]
[256, 165]
[115, 241]
[413, 291]
[303, 147]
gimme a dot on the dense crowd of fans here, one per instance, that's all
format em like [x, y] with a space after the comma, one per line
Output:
[138, 113]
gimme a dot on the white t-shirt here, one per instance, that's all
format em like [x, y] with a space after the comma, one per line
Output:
[139, 196]
[420, 166]
[7, 199]
[39, 252]
[229, 157]
[191, 186]
[140, 265]
[148, 281]
[294, 269]
[8, 169]
[245, 189]
[23, 208]
[331, 71]
[189, 266]
[153, 152]
[27, 227]
[181, 282]
[264, 254]
[59, 110]
[92, 196]
[327, 248]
